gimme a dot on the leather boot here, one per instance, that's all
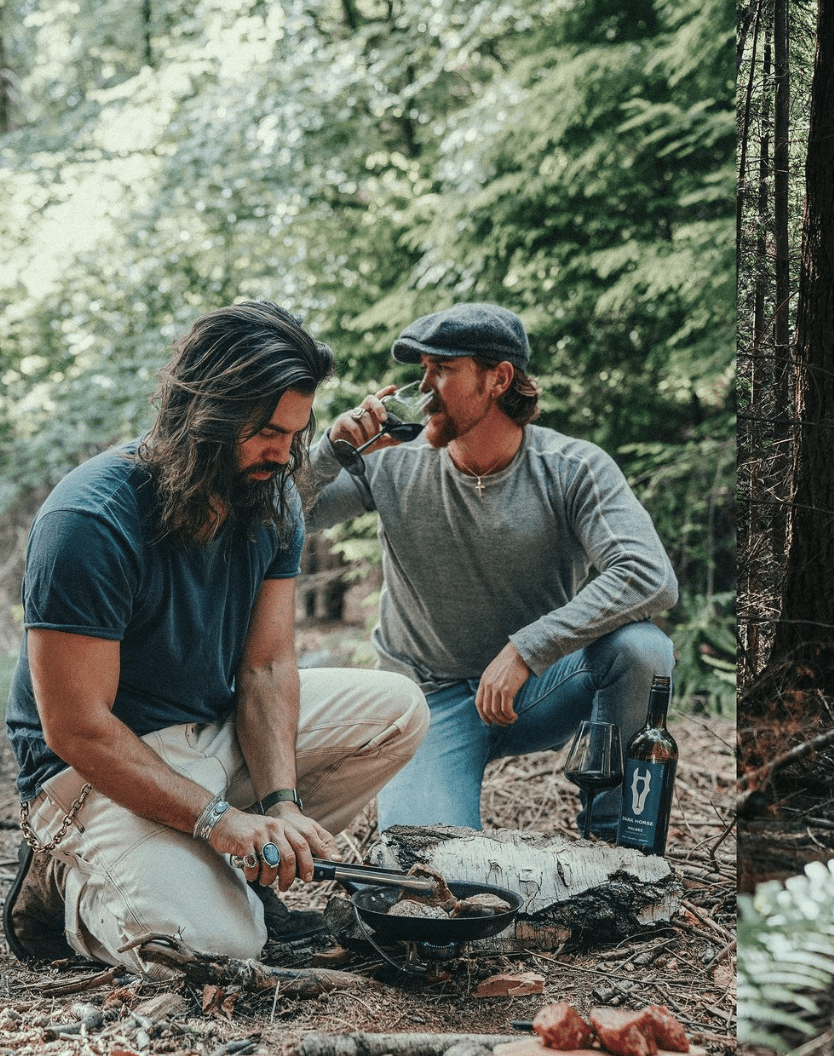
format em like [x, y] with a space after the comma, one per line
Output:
[288, 925]
[33, 914]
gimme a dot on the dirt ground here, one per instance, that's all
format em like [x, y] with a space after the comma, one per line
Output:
[688, 966]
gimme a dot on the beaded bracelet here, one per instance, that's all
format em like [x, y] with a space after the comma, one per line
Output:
[209, 817]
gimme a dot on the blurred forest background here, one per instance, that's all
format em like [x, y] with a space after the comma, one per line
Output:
[364, 162]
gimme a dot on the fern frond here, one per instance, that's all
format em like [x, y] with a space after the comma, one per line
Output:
[786, 955]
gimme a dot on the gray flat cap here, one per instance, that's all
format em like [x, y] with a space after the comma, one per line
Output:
[469, 329]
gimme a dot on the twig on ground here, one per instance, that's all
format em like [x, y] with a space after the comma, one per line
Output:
[79, 986]
[721, 955]
[202, 968]
[717, 928]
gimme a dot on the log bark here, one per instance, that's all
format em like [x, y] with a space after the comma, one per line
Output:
[364, 1044]
[588, 893]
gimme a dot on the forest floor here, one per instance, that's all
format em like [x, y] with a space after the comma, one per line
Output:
[688, 965]
[786, 767]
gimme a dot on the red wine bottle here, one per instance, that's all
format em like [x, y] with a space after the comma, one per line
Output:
[649, 781]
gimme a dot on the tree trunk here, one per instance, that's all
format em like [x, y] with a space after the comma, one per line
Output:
[780, 461]
[147, 45]
[5, 88]
[808, 601]
[781, 164]
[760, 552]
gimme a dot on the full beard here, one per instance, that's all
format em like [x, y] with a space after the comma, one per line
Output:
[442, 428]
[253, 501]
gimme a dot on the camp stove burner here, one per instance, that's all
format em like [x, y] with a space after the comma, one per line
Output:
[418, 957]
[431, 952]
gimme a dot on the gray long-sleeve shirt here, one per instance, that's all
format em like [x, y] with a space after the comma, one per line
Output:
[556, 553]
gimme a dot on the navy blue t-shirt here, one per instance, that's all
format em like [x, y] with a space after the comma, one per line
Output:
[180, 611]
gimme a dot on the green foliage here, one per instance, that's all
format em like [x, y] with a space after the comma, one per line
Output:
[357, 542]
[785, 956]
[574, 164]
[703, 633]
[689, 489]
[595, 198]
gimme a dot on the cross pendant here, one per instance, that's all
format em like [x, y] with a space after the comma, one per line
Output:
[479, 487]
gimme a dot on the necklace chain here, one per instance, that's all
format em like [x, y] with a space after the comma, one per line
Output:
[480, 487]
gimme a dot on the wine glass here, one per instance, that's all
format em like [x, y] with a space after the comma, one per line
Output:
[594, 762]
[406, 419]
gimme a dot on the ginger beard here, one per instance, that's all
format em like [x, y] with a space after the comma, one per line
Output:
[442, 427]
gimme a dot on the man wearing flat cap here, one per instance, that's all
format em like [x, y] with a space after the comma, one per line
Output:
[520, 572]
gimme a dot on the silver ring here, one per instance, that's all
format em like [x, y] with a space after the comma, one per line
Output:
[271, 855]
[250, 861]
[356, 415]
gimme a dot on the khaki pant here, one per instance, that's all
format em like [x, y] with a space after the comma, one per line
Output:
[129, 877]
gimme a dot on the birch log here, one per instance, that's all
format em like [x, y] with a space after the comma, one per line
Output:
[588, 892]
[364, 1044]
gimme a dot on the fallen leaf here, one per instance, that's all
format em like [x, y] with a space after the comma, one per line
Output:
[505, 985]
[331, 958]
[217, 1001]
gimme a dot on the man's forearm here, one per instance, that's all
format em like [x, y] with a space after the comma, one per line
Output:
[267, 725]
[119, 765]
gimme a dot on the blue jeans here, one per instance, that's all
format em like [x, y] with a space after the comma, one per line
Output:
[608, 680]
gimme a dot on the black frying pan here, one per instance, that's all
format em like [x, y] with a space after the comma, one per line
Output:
[372, 905]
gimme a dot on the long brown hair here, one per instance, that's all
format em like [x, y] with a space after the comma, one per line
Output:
[222, 385]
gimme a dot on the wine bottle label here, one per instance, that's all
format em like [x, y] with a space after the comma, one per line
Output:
[647, 789]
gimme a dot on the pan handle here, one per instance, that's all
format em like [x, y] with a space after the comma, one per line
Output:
[363, 875]
[353, 877]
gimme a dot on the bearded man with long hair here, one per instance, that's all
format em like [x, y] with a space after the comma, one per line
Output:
[175, 765]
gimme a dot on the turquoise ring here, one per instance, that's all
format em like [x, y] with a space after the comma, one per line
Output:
[271, 855]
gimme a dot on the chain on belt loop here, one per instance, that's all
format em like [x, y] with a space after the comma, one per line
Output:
[30, 836]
